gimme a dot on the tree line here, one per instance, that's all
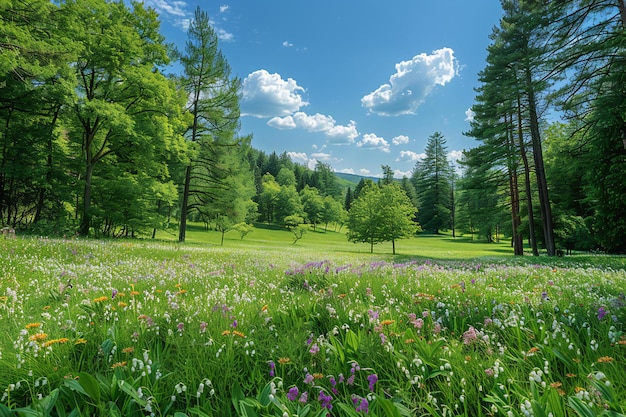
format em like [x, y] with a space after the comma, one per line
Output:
[96, 137]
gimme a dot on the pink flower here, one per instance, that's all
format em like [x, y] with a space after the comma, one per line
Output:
[470, 336]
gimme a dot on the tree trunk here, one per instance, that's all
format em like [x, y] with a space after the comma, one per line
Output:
[393, 246]
[182, 231]
[517, 239]
[532, 237]
[542, 184]
[85, 223]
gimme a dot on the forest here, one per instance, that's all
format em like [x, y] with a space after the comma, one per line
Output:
[98, 138]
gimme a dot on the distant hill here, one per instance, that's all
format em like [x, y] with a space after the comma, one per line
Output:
[351, 180]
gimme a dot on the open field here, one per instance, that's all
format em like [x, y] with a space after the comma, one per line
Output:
[260, 326]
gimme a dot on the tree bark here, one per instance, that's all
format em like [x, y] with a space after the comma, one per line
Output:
[542, 184]
[182, 231]
[532, 237]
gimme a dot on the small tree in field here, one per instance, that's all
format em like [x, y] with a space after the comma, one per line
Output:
[381, 214]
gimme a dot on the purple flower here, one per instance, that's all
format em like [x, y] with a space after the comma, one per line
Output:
[372, 379]
[180, 327]
[304, 397]
[234, 324]
[470, 336]
[601, 313]
[383, 338]
[361, 404]
[314, 349]
[373, 314]
[272, 368]
[325, 400]
[293, 393]
[113, 294]
[350, 380]
[308, 378]
[203, 327]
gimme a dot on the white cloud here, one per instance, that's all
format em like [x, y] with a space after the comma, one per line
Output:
[224, 8]
[268, 95]
[410, 156]
[287, 44]
[469, 115]
[337, 134]
[364, 171]
[170, 8]
[299, 157]
[400, 140]
[371, 141]
[454, 156]
[412, 83]
[401, 174]
[346, 171]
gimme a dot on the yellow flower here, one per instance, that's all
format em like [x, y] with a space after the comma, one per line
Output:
[318, 376]
[122, 304]
[128, 350]
[80, 341]
[605, 359]
[100, 299]
[283, 361]
[38, 337]
[225, 332]
[237, 333]
[134, 293]
[409, 341]
[32, 325]
[264, 308]
[119, 365]
[387, 322]
[4, 298]
[46, 308]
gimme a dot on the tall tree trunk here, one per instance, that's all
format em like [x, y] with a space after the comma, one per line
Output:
[85, 223]
[518, 240]
[532, 237]
[542, 184]
[182, 231]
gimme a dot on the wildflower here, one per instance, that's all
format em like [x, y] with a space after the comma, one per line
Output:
[601, 313]
[122, 304]
[308, 378]
[113, 294]
[203, 326]
[225, 332]
[180, 327]
[32, 325]
[119, 365]
[372, 379]
[45, 308]
[264, 308]
[325, 400]
[532, 351]
[38, 337]
[387, 322]
[314, 349]
[240, 334]
[361, 404]
[142, 317]
[304, 397]
[318, 375]
[293, 393]
[80, 341]
[128, 350]
[489, 372]
[283, 361]
[133, 293]
[272, 368]
[409, 341]
[234, 323]
[470, 336]
[570, 375]
[100, 299]
[605, 359]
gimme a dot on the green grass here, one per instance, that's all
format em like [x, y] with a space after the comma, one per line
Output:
[448, 327]
[331, 241]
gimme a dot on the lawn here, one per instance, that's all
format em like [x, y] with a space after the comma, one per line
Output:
[264, 327]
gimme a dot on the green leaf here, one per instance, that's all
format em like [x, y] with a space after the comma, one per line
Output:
[132, 392]
[388, 407]
[580, 407]
[90, 385]
[5, 411]
[349, 411]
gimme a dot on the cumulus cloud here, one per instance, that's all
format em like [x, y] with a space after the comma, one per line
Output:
[169, 8]
[337, 134]
[346, 171]
[410, 156]
[224, 7]
[298, 157]
[287, 44]
[400, 140]
[268, 95]
[469, 115]
[412, 83]
[364, 171]
[401, 174]
[371, 141]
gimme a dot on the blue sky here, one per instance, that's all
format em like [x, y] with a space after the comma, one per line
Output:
[352, 83]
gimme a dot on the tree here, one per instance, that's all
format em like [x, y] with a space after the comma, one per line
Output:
[121, 95]
[432, 181]
[313, 205]
[381, 214]
[213, 104]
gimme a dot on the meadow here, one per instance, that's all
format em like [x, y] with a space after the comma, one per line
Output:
[263, 327]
